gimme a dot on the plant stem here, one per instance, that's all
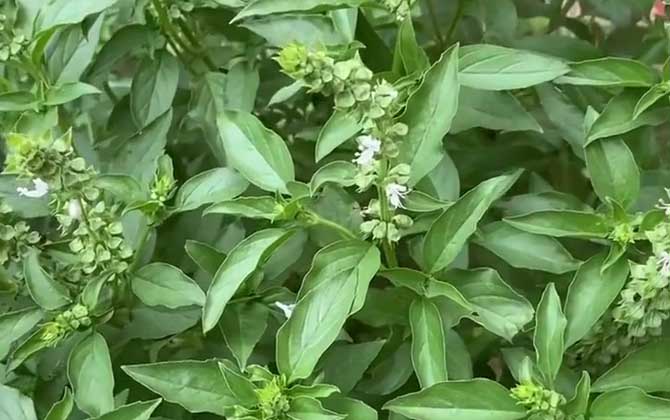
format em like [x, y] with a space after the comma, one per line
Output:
[387, 246]
[190, 35]
[457, 18]
[435, 23]
[315, 219]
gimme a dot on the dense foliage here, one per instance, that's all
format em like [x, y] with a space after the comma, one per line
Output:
[334, 209]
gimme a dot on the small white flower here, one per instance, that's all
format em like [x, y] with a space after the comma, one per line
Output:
[664, 263]
[396, 193]
[74, 209]
[287, 308]
[663, 205]
[368, 147]
[41, 189]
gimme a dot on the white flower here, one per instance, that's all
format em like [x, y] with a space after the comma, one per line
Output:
[664, 263]
[663, 205]
[396, 193]
[41, 189]
[368, 147]
[287, 308]
[74, 209]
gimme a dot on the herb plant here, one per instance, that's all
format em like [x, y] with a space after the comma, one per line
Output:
[334, 209]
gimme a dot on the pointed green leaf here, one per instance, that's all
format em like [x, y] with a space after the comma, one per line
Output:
[14, 325]
[647, 368]
[44, 290]
[212, 186]
[140, 410]
[562, 223]
[549, 336]
[163, 284]
[89, 370]
[429, 355]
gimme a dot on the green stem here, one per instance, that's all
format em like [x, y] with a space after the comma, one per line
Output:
[387, 246]
[315, 219]
[193, 39]
[435, 23]
[457, 19]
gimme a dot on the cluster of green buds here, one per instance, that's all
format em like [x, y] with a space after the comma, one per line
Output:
[15, 236]
[381, 226]
[54, 162]
[74, 319]
[539, 402]
[98, 240]
[161, 191]
[11, 44]
[272, 399]
[400, 8]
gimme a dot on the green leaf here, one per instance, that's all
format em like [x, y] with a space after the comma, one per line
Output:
[562, 223]
[647, 368]
[250, 207]
[549, 336]
[73, 49]
[526, 250]
[357, 357]
[14, 325]
[238, 265]
[567, 117]
[154, 87]
[163, 284]
[308, 29]
[490, 67]
[409, 57]
[338, 172]
[267, 7]
[610, 71]
[534, 202]
[335, 287]
[89, 370]
[450, 232]
[614, 172]
[650, 98]
[27, 348]
[305, 408]
[496, 305]
[123, 187]
[17, 101]
[44, 290]
[243, 324]
[618, 117]
[478, 399]
[590, 295]
[136, 411]
[353, 409]
[68, 92]
[339, 128]
[241, 388]
[419, 202]
[424, 285]
[259, 154]
[14, 405]
[125, 41]
[437, 95]
[629, 404]
[62, 409]
[212, 186]
[429, 355]
[206, 256]
[197, 386]
[67, 12]
[492, 110]
[579, 404]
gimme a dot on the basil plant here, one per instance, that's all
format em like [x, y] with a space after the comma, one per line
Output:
[334, 209]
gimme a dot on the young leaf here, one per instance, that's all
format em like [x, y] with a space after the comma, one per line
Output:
[490, 67]
[339, 128]
[89, 370]
[590, 294]
[243, 325]
[163, 284]
[238, 265]
[44, 290]
[549, 337]
[259, 154]
[409, 57]
[437, 95]
[62, 409]
[357, 357]
[451, 230]
[304, 408]
[429, 355]
[197, 386]
[68, 92]
[250, 207]
[478, 399]
[212, 186]
[579, 404]
[338, 172]
[206, 256]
